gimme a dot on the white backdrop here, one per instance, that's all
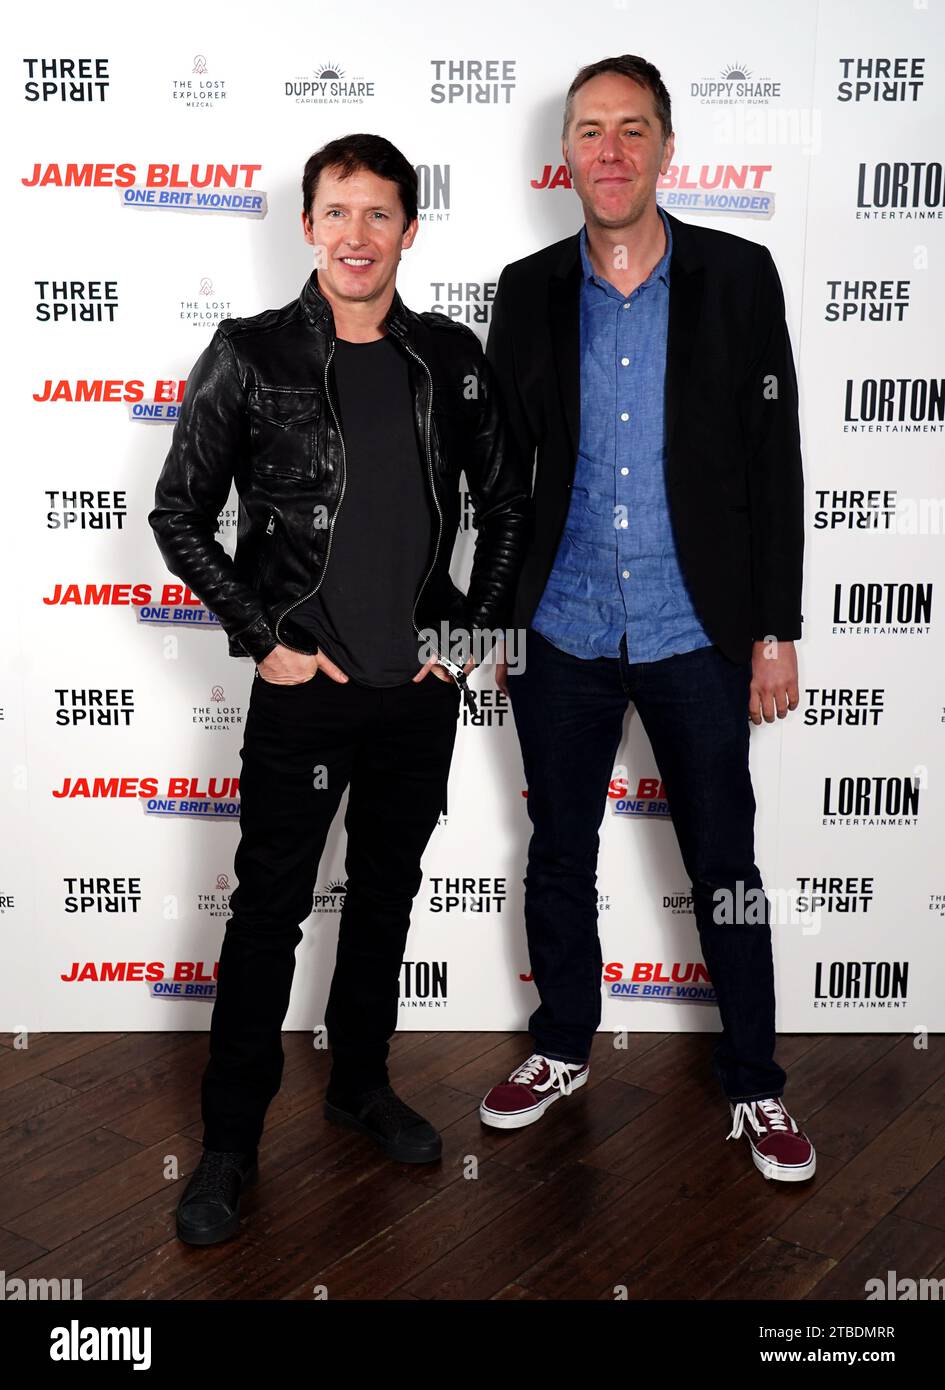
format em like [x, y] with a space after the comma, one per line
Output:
[113, 897]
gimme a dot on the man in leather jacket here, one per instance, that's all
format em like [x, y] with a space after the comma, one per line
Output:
[345, 420]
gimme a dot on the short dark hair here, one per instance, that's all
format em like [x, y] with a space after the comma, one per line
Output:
[627, 65]
[350, 153]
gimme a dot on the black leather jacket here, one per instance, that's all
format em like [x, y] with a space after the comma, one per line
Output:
[258, 409]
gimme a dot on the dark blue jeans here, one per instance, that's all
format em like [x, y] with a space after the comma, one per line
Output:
[569, 717]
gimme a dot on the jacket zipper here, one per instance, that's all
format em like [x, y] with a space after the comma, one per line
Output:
[331, 524]
[264, 556]
[460, 678]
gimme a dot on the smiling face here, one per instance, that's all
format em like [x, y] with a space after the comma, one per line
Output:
[357, 225]
[615, 149]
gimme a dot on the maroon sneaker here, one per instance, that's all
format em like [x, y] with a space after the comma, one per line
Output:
[778, 1147]
[529, 1091]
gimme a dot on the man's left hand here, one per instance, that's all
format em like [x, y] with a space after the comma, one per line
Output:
[773, 681]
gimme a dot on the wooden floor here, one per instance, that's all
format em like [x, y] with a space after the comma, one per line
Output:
[630, 1183]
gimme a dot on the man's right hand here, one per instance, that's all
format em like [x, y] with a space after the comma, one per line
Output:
[283, 666]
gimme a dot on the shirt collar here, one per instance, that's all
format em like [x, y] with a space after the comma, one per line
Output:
[661, 269]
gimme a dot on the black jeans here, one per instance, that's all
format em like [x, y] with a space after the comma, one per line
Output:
[302, 746]
[569, 716]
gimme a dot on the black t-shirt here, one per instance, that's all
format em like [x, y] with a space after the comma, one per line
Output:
[385, 523]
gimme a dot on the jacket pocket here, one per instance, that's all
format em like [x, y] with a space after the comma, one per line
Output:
[284, 430]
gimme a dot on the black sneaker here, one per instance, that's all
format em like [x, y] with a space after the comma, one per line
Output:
[401, 1132]
[209, 1210]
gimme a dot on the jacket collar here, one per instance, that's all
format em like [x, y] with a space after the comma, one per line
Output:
[686, 276]
[317, 310]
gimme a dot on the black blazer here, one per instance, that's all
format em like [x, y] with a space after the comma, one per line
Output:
[733, 456]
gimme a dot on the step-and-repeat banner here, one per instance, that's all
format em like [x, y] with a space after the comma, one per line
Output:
[153, 188]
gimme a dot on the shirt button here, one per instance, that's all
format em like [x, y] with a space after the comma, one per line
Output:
[625, 361]
[624, 415]
[626, 306]
[625, 471]
[626, 574]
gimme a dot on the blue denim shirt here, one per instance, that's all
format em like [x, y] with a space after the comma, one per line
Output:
[616, 570]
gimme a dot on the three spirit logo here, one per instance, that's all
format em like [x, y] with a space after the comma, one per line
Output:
[466, 301]
[839, 706]
[472, 81]
[102, 895]
[76, 301]
[842, 895]
[467, 894]
[880, 79]
[867, 301]
[66, 79]
[89, 509]
[855, 509]
[93, 707]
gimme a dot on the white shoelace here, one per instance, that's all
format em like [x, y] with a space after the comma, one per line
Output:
[560, 1073]
[773, 1111]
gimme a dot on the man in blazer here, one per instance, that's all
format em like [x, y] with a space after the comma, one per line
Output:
[646, 366]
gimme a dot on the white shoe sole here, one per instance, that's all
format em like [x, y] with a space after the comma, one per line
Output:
[797, 1173]
[518, 1119]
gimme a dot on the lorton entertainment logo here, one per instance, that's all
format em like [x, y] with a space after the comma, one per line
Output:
[873, 801]
[901, 191]
[894, 405]
[433, 192]
[861, 984]
[423, 984]
[877, 609]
